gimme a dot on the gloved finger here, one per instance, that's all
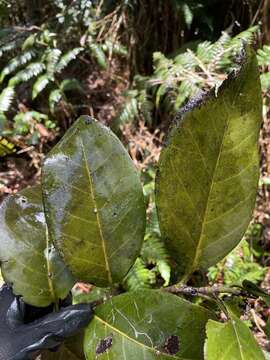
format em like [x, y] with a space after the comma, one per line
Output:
[52, 329]
[6, 298]
[15, 313]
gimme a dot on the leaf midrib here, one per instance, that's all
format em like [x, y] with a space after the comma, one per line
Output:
[238, 340]
[93, 197]
[193, 267]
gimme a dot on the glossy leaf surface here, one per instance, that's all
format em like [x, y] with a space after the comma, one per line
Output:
[208, 172]
[94, 203]
[147, 324]
[28, 259]
[231, 341]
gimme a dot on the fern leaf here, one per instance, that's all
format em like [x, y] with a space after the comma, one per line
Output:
[27, 73]
[115, 48]
[146, 107]
[263, 56]
[99, 55]
[67, 58]
[246, 36]
[6, 98]
[128, 113]
[52, 59]
[8, 47]
[29, 41]
[164, 269]
[139, 277]
[39, 85]
[54, 98]
[18, 61]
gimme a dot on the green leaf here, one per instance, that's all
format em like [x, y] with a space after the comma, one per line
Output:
[147, 324]
[208, 172]
[39, 85]
[16, 62]
[188, 14]
[94, 203]
[6, 147]
[29, 41]
[26, 74]
[139, 277]
[6, 98]
[231, 341]
[54, 98]
[28, 260]
[52, 60]
[67, 58]
[98, 53]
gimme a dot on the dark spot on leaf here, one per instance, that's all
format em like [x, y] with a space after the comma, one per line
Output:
[171, 346]
[104, 345]
[88, 120]
[23, 199]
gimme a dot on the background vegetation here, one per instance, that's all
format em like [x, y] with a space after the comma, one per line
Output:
[131, 64]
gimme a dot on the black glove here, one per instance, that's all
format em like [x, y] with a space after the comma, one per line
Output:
[21, 339]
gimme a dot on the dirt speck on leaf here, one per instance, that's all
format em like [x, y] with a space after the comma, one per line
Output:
[171, 346]
[104, 345]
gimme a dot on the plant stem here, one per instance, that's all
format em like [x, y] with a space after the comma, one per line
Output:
[207, 290]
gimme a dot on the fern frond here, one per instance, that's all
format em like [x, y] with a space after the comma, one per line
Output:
[67, 58]
[246, 36]
[139, 277]
[146, 107]
[27, 73]
[8, 47]
[52, 58]
[99, 55]
[16, 62]
[263, 56]
[128, 113]
[39, 85]
[6, 98]
[153, 249]
[114, 48]
[54, 98]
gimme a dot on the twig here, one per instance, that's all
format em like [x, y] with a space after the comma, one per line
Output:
[205, 291]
